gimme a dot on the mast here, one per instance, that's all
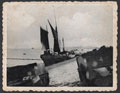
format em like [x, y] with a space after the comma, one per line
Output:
[55, 36]
[63, 44]
[55, 18]
[57, 41]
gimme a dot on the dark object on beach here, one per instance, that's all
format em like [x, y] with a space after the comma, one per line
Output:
[56, 56]
[53, 59]
[28, 75]
[104, 56]
[95, 67]
[24, 53]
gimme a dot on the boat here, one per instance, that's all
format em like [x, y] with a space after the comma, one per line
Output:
[56, 55]
[95, 67]
[33, 74]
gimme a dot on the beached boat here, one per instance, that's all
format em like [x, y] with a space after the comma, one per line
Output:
[95, 67]
[33, 74]
[56, 56]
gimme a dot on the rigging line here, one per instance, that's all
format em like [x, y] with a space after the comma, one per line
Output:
[55, 16]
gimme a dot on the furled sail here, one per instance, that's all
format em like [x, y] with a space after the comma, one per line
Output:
[55, 35]
[44, 38]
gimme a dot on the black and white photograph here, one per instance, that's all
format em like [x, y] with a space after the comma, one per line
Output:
[59, 45]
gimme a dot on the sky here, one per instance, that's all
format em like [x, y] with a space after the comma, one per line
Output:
[80, 24]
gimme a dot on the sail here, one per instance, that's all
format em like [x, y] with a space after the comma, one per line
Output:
[54, 31]
[44, 38]
[55, 36]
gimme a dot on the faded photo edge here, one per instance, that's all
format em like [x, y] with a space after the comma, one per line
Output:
[4, 57]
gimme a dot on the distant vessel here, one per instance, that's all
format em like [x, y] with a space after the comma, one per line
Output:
[56, 56]
[24, 53]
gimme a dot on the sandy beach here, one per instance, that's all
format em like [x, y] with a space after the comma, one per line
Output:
[64, 73]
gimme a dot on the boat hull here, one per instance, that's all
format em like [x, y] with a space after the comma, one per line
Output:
[95, 67]
[53, 59]
[28, 75]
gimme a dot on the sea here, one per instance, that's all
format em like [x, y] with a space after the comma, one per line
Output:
[22, 56]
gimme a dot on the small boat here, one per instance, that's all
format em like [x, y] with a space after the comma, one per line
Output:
[33, 74]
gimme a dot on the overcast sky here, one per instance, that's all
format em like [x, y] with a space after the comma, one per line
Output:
[79, 24]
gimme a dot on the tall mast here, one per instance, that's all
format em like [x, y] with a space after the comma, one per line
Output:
[55, 17]
[63, 44]
[55, 36]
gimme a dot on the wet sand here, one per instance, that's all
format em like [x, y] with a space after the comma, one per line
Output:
[64, 73]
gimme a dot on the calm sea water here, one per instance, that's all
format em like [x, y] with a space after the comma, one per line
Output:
[22, 56]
